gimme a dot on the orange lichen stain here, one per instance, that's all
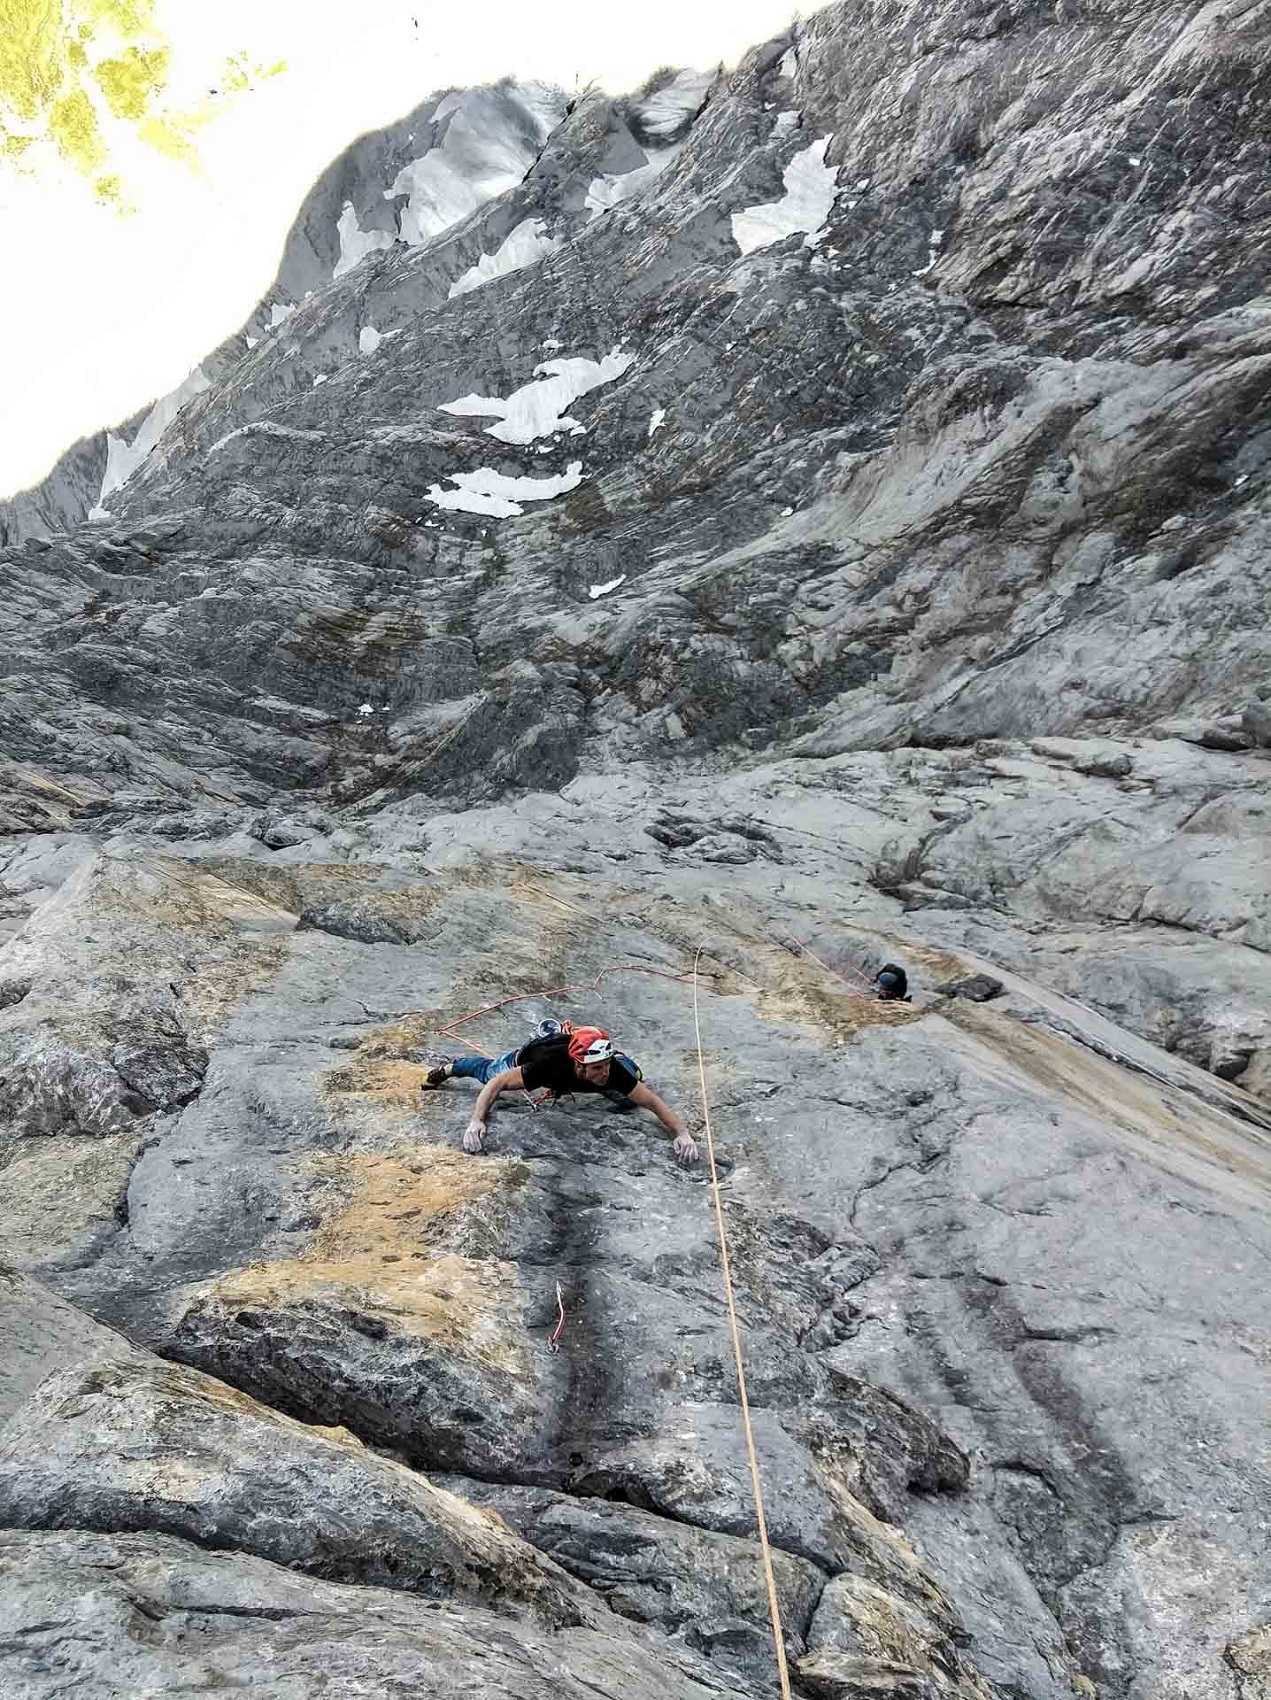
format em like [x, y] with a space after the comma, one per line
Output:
[184, 923]
[290, 889]
[382, 1078]
[41, 801]
[793, 988]
[740, 959]
[381, 1249]
[164, 892]
[385, 1085]
[394, 1203]
[469, 1306]
[218, 986]
[1134, 1103]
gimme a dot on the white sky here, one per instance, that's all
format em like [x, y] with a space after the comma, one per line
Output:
[104, 314]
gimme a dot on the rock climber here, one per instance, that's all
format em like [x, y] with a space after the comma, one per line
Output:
[584, 1059]
[891, 983]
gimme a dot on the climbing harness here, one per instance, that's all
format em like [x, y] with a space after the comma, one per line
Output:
[774, 1609]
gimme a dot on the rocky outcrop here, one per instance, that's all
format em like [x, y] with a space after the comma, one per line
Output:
[127, 1613]
[811, 518]
[98, 1435]
[63, 499]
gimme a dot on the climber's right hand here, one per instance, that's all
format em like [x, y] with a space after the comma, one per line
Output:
[474, 1136]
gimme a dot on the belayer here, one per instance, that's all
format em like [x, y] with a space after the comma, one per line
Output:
[891, 983]
[579, 1059]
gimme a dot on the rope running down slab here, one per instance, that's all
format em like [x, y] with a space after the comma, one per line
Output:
[774, 1608]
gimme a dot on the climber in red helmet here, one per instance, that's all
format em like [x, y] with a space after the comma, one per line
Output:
[582, 1059]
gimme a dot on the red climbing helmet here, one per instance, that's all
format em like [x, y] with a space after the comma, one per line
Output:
[590, 1045]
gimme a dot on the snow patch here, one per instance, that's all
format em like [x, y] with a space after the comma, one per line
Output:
[789, 65]
[319, 378]
[785, 124]
[526, 246]
[666, 112]
[356, 243]
[279, 311]
[810, 191]
[605, 193]
[267, 428]
[657, 421]
[538, 409]
[251, 341]
[123, 458]
[934, 244]
[368, 339]
[492, 139]
[596, 591]
[488, 492]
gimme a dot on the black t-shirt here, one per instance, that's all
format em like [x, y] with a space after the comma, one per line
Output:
[545, 1065]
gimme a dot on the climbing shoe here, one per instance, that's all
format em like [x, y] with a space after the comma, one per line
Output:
[436, 1076]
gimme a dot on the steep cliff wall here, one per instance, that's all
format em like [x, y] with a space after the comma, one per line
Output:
[811, 518]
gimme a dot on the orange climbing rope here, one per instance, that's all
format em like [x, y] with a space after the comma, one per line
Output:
[774, 1609]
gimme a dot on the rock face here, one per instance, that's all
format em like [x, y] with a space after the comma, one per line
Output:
[764, 528]
[132, 1614]
[63, 499]
[98, 1435]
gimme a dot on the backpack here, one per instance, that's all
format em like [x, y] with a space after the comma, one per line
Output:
[901, 979]
[545, 1045]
